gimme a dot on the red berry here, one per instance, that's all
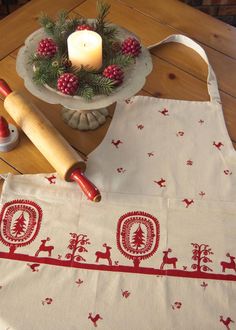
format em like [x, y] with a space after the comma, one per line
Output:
[68, 83]
[131, 46]
[47, 48]
[84, 27]
[114, 73]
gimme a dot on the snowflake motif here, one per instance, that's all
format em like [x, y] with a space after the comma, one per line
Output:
[140, 126]
[189, 162]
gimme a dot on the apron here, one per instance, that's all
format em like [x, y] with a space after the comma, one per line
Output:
[158, 252]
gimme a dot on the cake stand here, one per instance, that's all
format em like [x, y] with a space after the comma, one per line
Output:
[77, 112]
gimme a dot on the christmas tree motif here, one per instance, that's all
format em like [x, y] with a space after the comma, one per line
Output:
[77, 246]
[20, 221]
[200, 255]
[138, 238]
[19, 225]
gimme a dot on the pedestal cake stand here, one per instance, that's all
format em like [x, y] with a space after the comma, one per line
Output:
[77, 112]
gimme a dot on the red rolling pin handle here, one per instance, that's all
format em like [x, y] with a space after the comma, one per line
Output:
[87, 187]
[90, 190]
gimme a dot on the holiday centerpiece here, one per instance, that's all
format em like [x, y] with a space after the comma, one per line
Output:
[84, 65]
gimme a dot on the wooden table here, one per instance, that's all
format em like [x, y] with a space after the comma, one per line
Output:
[178, 72]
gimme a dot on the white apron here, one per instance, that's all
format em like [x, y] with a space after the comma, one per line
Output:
[158, 252]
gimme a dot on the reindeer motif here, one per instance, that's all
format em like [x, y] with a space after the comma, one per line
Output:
[94, 319]
[116, 143]
[44, 248]
[226, 322]
[51, 179]
[168, 261]
[228, 265]
[104, 255]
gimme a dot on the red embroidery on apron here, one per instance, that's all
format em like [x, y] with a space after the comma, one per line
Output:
[20, 222]
[137, 236]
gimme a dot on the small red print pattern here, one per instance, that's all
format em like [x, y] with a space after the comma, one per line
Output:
[180, 133]
[116, 143]
[164, 112]
[34, 267]
[176, 305]
[51, 179]
[47, 301]
[125, 293]
[218, 145]
[140, 126]
[94, 319]
[226, 321]
[188, 202]
[161, 182]
[204, 285]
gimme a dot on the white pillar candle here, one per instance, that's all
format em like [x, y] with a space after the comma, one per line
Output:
[85, 48]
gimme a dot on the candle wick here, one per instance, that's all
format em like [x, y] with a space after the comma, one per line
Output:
[84, 45]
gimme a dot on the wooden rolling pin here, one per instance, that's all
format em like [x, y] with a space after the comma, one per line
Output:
[68, 164]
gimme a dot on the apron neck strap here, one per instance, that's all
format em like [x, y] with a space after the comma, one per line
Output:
[212, 85]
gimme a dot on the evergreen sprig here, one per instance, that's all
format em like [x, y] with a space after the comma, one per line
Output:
[47, 70]
[122, 60]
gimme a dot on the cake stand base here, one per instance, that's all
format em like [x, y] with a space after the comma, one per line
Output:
[84, 120]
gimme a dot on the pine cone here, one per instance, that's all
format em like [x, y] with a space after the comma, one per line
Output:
[68, 83]
[131, 46]
[114, 73]
[47, 48]
[84, 27]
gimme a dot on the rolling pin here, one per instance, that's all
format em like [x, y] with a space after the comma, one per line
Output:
[63, 158]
